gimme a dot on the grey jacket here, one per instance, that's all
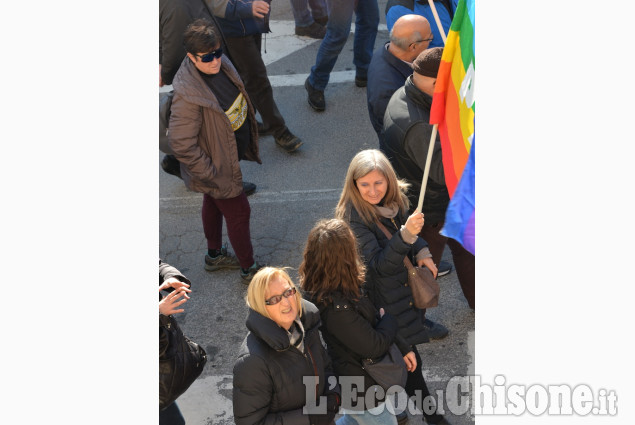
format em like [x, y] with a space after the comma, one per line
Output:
[201, 135]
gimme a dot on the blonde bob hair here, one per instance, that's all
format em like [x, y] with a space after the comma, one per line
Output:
[363, 163]
[258, 287]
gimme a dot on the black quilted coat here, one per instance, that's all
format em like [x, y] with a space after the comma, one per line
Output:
[269, 371]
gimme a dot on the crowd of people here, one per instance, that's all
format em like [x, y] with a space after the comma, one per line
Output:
[353, 291]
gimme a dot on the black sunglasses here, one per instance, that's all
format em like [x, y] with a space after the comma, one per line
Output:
[208, 57]
[277, 298]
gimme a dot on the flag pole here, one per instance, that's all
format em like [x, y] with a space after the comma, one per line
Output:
[426, 169]
[437, 20]
[433, 136]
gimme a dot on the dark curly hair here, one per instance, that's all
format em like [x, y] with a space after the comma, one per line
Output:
[332, 262]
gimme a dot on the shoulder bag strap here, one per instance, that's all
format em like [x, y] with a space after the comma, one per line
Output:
[406, 260]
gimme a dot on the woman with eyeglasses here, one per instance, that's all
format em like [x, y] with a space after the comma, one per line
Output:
[282, 372]
[332, 275]
[372, 194]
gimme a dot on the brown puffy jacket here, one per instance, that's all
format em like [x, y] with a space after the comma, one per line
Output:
[201, 135]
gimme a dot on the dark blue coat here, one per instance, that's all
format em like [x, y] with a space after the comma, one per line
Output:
[386, 74]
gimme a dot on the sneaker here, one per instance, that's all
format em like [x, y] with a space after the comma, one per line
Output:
[248, 188]
[262, 131]
[288, 141]
[435, 330]
[361, 81]
[249, 274]
[314, 30]
[171, 165]
[316, 97]
[322, 21]
[222, 261]
[444, 268]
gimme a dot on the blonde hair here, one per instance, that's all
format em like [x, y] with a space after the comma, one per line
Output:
[258, 287]
[363, 163]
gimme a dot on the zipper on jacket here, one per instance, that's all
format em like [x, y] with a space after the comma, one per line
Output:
[394, 224]
[315, 372]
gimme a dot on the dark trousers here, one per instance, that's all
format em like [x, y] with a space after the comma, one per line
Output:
[171, 415]
[236, 212]
[245, 52]
[417, 382]
[464, 261]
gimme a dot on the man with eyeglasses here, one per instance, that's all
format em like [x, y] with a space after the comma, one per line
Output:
[392, 64]
[213, 127]
[395, 9]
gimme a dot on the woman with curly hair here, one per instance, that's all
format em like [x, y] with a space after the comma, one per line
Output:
[332, 275]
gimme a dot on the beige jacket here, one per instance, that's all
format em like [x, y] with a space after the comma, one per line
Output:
[201, 135]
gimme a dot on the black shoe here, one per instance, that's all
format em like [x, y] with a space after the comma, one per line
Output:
[435, 330]
[262, 131]
[444, 268]
[322, 21]
[288, 141]
[316, 97]
[361, 81]
[248, 188]
[314, 30]
[248, 274]
[171, 165]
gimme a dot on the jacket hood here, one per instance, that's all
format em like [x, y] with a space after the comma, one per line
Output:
[272, 334]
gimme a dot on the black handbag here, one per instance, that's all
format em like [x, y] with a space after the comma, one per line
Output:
[181, 361]
[389, 370]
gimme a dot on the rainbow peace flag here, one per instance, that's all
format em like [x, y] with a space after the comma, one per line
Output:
[453, 111]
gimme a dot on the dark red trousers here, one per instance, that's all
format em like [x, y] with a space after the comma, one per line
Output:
[236, 212]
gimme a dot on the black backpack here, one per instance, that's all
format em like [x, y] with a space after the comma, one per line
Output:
[165, 103]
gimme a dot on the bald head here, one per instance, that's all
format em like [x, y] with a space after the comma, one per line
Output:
[410, 35]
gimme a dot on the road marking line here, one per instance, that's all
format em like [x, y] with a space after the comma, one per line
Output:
[282, 42]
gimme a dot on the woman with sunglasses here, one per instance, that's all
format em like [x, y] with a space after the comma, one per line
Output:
[372, 194]
[282, 372]
[212, 127]
[332, 275]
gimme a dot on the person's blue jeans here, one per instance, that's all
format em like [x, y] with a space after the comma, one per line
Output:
[337, 31]
[301, 14]
[380, 415]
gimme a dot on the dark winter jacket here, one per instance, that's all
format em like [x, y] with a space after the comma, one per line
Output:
[236, 18]
[174, 17]
[405, 142]
[269, 371]
[167, 271]
[386, 274]
[386, 74]
[353, 331]
[202, 137]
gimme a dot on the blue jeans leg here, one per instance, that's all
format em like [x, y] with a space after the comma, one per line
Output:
[301, 13]
[366, 23]
[380, 415]
[318, 8]
[337, 31]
